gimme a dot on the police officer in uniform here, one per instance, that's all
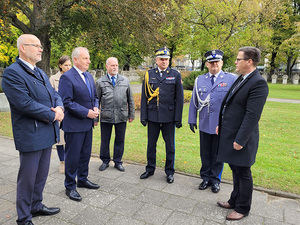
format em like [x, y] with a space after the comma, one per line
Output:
[209, 91]
[161, 109]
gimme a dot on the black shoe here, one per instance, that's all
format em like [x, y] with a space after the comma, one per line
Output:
[215, 188]
[120, 167]
[87, 184]
[205, 184]
[146, 175]
[170, 179]
[45, 211]
[29, 222]
[73, 195]
[103, 166]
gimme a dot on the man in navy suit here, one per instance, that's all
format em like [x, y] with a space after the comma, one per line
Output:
[238, 129]
[161, 109]
[78, 92]
[36, 108]
[209, 91]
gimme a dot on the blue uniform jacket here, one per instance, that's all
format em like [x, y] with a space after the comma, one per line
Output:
[170, 104]
[77, 101]
[31, 98]
[209, 115]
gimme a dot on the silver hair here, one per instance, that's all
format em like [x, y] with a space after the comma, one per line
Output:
[76, 52]
[111, 58]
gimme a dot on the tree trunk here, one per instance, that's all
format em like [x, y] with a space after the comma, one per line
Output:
[45, 41]
[272, 63]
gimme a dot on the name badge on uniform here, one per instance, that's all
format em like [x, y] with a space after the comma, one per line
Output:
[222, 85]
[170, 78]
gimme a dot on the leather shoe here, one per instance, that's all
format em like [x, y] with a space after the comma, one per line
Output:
[119, 167]
[45, 211]
[204, 185]
[87, 184]
[146, 175]
[225, 205]
[103, 166]
[170, 179]
[215, 188]
[73, 195]
[235, 216]
[29, 222]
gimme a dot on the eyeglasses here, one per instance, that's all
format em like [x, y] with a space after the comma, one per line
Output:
[240, 59]
[35, 45]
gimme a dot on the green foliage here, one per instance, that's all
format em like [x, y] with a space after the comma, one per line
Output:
[188, 81]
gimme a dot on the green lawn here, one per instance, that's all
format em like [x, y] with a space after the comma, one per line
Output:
[278, 161]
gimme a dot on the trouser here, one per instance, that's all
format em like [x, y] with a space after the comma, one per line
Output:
[168, 133]
[211, 170]
[32, 176]
[241, 196]
[106, 129]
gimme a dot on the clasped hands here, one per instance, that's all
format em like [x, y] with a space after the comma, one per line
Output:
[93, 113]
[59, 113]
[177, 124]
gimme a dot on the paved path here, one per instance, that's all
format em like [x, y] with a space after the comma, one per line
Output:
[123, 198]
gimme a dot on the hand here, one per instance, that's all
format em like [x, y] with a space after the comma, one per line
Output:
[96, 109]
[178, 124]
[59, 113]
[237, 147]
[144, 122]
[193, 126]
[95, 123]
[217, 130]
[130, 120]
[93, 113]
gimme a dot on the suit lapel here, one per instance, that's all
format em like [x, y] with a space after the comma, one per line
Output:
[79, 79]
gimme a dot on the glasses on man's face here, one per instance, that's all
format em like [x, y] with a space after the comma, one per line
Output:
[240, 59]
[34, 45]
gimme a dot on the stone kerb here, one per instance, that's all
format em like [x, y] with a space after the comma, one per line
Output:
[295, 79]
[274, 78]
[284, 79]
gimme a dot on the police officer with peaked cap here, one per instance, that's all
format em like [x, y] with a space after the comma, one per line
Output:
[208, 93]
[161, 110]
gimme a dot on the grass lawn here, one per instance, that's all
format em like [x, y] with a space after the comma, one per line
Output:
[278, 160]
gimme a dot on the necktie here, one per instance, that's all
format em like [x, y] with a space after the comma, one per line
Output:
[113, 80]
[37, 73]
[161, 73]
[212, 79]
[87, 83]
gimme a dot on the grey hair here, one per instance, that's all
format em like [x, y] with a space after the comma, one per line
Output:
[76, 52]
[111, 58]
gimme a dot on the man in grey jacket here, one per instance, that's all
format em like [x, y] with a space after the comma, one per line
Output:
[117, 106]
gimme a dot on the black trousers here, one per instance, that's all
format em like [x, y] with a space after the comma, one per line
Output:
[168, 133]
[106, 129]
[241, 196]
[211, 170]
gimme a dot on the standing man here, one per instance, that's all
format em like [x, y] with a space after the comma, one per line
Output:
[161, 109]
[238, 129]
[117, 106]
[209, 91]
[36, 108]
[78, 92]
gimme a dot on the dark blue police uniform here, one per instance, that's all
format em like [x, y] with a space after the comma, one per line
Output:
[162, 112]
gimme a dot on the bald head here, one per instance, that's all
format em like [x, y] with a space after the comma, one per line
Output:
[30, 48]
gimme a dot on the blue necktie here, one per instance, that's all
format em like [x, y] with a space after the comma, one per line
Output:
[113, 80]
[37, 73]
[212, 79]
[87, 83]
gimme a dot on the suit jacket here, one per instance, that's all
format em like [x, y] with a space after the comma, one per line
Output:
[239, 122]
[31, 97]
[208, 116]
[116, 102]
[170, 97]
[77, 101]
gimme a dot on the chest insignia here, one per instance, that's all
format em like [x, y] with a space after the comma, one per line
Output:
[170, 78]
[222, 85]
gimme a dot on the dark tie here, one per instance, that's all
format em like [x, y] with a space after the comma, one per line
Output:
[212, 79]
[113, 81]
[161, 73]
[37, 73]
[87, 83]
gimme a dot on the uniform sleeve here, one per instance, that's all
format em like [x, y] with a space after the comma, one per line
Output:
[144, 114]
[179, 99]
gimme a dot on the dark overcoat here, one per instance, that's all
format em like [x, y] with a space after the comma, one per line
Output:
[238, 120]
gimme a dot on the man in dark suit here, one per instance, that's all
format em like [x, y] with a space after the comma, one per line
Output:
[238, 129]
[161, 109]
[117, 106]
[78, 92]
[36, 108]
